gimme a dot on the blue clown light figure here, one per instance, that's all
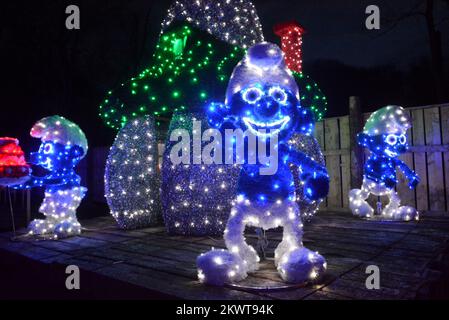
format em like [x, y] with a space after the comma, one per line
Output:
[262, 100]
[63, 146]
[384, 136]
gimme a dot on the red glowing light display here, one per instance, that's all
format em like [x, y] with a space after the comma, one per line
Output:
[12, 160]
[291, 43]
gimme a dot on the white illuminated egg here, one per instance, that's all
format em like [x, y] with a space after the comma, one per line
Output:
[132, 180]
[196, 198]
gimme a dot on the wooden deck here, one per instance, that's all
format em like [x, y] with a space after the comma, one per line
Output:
[404, 252]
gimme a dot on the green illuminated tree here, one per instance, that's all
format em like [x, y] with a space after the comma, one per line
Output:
[199, 46]
[190, 67]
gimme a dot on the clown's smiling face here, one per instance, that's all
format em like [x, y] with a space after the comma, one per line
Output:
[390, 145]
[267, 109]
[56, 157]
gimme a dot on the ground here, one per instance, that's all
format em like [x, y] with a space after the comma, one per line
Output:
[148, 263]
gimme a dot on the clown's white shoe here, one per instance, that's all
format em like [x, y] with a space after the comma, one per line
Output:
[217, 267]
[67, 228]
[301, 265]
[359, 206]
[406, 213]
[280, 251]
[41, 227]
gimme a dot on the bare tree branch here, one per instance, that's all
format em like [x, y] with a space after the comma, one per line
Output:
[413, 12]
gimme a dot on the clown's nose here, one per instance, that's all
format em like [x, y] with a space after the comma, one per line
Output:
[267, 108]
[402, 148]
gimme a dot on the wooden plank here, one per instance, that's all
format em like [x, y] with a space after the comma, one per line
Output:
[170, 284]
[320, 295]
[406, 194]
[420, 159]
[319, 133]
[345, 143]
[430, 148]
[434, 160]
[355, 290]
[337, 152]
[445, 140]
[167, 263]
[319, 136]
[332, 142]
[355, 127]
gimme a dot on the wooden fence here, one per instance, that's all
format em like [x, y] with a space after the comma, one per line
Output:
[428, 157]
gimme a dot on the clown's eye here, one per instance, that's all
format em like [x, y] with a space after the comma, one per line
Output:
[48, 148]
[278, 94]
[252, 95]
[391, 139]
[402, 139]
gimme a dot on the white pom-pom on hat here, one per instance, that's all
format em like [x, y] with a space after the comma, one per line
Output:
[265, 55]
[59, 129]
[263, 64]
[388, 120]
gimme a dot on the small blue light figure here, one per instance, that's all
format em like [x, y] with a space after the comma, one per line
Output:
[63, 146]
[384, 135]
[262, 100]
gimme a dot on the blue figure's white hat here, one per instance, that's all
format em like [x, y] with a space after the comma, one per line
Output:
[59, 129]
[263, 64]
[388, 120]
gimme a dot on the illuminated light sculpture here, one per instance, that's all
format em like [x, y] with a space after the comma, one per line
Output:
[200, 43]
[232, 21]
[291, 42]
[192, 62]
[13, 167]
[308, 145]
[188, 209]
[384, 135]
[63, 146]
[312, 98]
[262, 97]
[196, 198]
[132, 178]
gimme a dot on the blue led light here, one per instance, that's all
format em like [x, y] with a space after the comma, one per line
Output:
[262, 100]
[384, 136]
[252, 95]
[242, 112]
[58, 153]
[382, 163]
[278, 94]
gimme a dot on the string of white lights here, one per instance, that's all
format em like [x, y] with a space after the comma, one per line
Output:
[233, 21]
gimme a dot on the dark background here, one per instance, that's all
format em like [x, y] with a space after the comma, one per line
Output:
[47, 69]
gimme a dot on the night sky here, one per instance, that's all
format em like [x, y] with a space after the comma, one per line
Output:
[47, 69]
[336, 30]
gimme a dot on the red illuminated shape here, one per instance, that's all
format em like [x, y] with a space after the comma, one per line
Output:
[291, 43]
[12, 162]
